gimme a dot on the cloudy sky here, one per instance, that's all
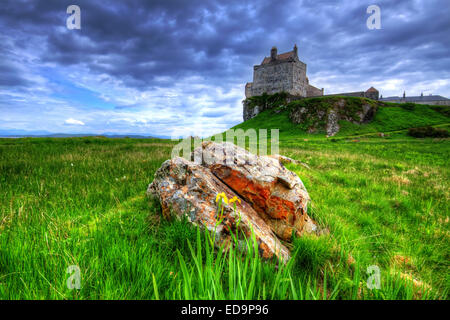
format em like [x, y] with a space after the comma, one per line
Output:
[178, 67]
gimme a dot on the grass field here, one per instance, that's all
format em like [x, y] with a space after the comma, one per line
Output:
[81, 201]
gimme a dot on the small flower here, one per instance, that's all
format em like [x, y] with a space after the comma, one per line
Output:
[71, 164]
[234, 199]
[223, 196]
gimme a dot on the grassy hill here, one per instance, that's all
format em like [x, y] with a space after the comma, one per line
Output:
[81, 201]
[390, 117]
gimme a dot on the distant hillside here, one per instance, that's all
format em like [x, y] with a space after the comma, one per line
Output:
[355, 116]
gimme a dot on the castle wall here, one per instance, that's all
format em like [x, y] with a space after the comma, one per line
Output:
[275, 77]
[312, 91]
[299, 82]
[360, 94]
[372, 95]
[248, 90]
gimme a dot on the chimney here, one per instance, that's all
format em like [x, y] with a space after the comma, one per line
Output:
[273, 53]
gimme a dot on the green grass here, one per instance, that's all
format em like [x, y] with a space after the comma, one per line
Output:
[389, 118]
[82, 202]
[393, 118]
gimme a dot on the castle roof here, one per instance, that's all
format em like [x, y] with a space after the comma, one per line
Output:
[372, 89]
[287, 56]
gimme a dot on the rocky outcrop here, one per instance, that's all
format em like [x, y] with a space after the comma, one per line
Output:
[257, 104]
[272, 200]
[319, 115]
[250, 111]
[315, 114]
[188, 189]
[332, 126]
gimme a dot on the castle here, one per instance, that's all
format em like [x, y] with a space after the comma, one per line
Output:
[286, 73]
[281, 72]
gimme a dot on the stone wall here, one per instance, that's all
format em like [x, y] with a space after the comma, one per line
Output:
[360, 94]
[248, 89]
[278, 77]
[374, 95]
[299, 81]
[312, 91]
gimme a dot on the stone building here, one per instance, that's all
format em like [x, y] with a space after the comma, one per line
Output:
[281, 72]
[422, 99]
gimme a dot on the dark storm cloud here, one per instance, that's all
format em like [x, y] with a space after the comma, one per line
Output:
[141, 41]
[203, 50]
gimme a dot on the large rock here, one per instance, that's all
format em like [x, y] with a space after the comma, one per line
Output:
[277, 194]
[189, 189]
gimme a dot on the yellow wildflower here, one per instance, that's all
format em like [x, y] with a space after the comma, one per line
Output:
[234, 199]
[223, 196]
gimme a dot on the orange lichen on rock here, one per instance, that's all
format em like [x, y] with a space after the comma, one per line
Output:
[276, 193]
[279, 208]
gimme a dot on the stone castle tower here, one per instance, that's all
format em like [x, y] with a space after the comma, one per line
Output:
[281, 72]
